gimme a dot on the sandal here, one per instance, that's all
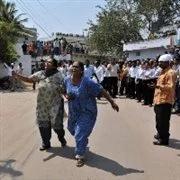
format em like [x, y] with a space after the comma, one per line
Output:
[80, 162]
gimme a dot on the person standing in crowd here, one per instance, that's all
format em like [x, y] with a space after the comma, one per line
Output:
[139, 82]
[113, 68]
[177, 91]
[132, 73]
[163, 100]
[50, 103]
[81, 93]
[146, 79]
[106, 75]
[24, 48]
[35, 68]
[89, 70]
[127, 92]
[56, 45]
[151, 83]
[19, 69]
[99, 71]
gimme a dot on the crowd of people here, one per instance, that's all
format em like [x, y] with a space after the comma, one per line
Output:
[152, 82]
[133, 79]
[7, 82]
[52, 47]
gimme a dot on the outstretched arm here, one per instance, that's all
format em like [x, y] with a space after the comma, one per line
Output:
[108, 97]
[23, 78]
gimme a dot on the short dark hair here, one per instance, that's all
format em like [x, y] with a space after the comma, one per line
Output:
[54, 63]
[81, 65]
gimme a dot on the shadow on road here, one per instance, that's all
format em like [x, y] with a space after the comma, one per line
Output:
[94, 160]
[174, 143]
[7, 169]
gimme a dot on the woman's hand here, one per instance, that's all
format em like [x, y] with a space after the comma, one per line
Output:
[115, 106]
[108, 97]
[69, 96]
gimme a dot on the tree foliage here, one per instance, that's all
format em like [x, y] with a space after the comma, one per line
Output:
[11, 28]
[124, 21]
[158, 13]
[115, 25]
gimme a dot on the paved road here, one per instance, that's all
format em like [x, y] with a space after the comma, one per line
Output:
[120, 145]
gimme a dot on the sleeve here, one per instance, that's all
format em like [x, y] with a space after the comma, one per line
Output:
[60, 82]
[65, 84]
[37, 75]
[170, 83]
[94, 89]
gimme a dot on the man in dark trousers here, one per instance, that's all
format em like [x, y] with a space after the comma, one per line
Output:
[164, 99]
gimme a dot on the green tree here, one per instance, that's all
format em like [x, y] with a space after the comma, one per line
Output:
[126, 20]
[11, 28]
[158, 13]
[117, 23]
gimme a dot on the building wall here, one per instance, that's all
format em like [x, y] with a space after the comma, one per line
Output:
[26, 60]
[146, 53]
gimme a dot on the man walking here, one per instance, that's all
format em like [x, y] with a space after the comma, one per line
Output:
[164, 99]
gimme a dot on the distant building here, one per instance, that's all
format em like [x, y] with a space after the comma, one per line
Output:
[26, 60]
[72, 38]
[148, 48]
[29, 38]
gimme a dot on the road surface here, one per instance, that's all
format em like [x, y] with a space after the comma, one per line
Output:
[120, 146]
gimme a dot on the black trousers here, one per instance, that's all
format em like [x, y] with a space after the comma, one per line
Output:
[112, 86]
[45, 130]
[123, 86]
[45, 133]
[132, 88]
[128, 87]
[163, 114]
[139, 90]
[145, 91]
[105, 83]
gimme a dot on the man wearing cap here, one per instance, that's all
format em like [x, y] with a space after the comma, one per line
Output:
[163, 100]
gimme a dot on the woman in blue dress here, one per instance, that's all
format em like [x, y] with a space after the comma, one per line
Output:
[81, 93]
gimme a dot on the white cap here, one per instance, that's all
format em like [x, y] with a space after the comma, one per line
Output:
[165, 58]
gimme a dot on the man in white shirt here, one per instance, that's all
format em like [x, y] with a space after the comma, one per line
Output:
[99, 71]
[89, 70]
[113, 78]
[132, 73]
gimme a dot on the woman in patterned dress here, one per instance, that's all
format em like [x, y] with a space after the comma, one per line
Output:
[50, 103]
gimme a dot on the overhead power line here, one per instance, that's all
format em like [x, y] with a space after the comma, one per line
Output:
[50, 13]
[25, 9]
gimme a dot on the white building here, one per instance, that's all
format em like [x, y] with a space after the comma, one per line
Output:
[148, 48]
[26, 60]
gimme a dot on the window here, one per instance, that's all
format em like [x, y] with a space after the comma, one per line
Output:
[138, 53]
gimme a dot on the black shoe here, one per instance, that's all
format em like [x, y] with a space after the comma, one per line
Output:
[80, 162]
[63, 142]
[156, 136]
[161, 143]
[43, 148]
